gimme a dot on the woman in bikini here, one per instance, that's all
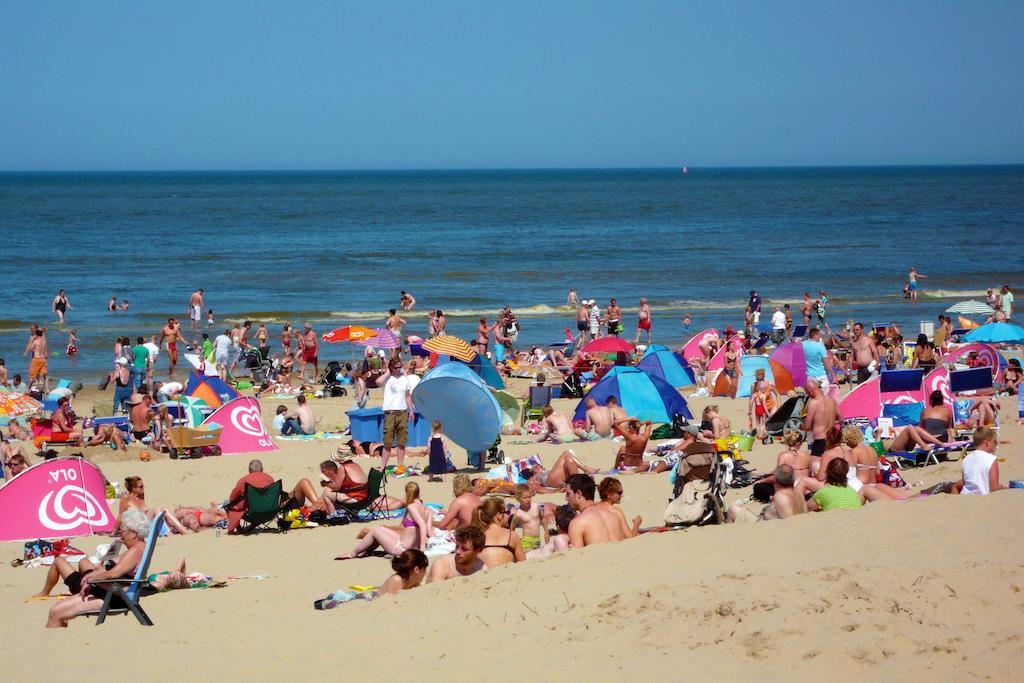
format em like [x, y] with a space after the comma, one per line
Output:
[924, 354]
[417, 527]
[196, 518]
[931, 431]
[501, 544]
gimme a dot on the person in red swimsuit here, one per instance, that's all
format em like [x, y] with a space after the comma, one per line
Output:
[309, 353]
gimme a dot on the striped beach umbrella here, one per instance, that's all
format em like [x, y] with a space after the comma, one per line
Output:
[383, 339]
[450, 346]
[970, 308]
[17, 405]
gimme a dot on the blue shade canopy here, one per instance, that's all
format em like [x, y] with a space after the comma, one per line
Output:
[468, 411]
[997, 333]
[639, 394]
[664, 365]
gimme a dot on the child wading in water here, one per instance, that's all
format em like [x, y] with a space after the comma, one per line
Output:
[529, 518]
[438, 459]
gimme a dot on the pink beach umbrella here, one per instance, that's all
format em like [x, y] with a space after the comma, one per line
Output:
[385, 339]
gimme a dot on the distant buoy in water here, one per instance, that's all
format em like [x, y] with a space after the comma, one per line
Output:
[686, 169]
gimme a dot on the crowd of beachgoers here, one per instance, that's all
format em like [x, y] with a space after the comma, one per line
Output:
[492, 518]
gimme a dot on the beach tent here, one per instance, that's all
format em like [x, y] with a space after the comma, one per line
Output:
[717, 362]
[691, 349]
[213, 391]
[665, 365]
[481, 365]
[639, 394]
[987, 356]
[510, 408]
[893, 387]
[791, 357]
[774, 372]
[455, 395]
[654, 348]
[242, 427]
[57, 498]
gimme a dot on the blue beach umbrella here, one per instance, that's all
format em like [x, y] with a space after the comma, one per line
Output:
[665, 365]
[455, 395]
[639, 394]
[997, 333]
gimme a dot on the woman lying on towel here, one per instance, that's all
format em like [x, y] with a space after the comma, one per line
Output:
[134, 530]
[931, 431]
[417, 527]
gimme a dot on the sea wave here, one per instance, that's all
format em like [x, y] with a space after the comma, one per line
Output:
[950, 293]
[14, 324]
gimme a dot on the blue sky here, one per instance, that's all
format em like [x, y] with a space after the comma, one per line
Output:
[346, 85]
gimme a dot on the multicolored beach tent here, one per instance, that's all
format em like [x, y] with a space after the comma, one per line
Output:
[213, 391]
[639, 394]
[774, 372]
[893, 387]
[666, 366]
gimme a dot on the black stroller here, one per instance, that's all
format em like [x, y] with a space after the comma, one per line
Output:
[788, 417]
[331, 378]
[261, 368]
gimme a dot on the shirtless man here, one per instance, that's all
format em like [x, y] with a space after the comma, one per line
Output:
[582, 323]
[408, 301]
[172, 333]
[643, 322]
[395, 323]
[864, 353]
[786, 502]
[469, 542]
[557, 427]
[806, 307]
[599, 422]
[614, 314]
[140, 415]
[822, 415]
[617, 411]
[460, 511]
[195, 308]
[305, 415]
[309, 355]
[631, 454]
[37, 366]
[592, 524]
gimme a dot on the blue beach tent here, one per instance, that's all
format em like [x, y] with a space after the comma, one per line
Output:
[640, 395]
[455, 395]
[665, 365]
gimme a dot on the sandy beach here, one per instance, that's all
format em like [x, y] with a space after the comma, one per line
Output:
[923, 589]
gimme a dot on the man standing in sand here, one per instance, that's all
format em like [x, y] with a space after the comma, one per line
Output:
[37, 366]
[599, 422]
[309, 353]
[582, 323]
[398, 412]
[778, 325]
[818, 359]
[643, 322]
[592, 523]
[865, 353]
[822, 415]
[786, 502]
[614, 318]
[195, 308]
[806, 307]
[172, 333]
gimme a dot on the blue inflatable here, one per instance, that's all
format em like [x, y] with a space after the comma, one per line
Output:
[640, 395]
[664, 365]
[455, 395]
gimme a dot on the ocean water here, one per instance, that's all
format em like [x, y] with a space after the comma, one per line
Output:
[337, 248]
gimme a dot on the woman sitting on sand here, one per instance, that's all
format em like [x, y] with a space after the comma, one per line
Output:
[501, 544]
[417, 527]
[712, 425]
[86, 597]
[835, 494]
[410, 569]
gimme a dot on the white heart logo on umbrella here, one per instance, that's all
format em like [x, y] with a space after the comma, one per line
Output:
[248, 421]
[82, 509]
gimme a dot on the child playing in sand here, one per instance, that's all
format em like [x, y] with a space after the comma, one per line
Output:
[560, 541]
[528, 517]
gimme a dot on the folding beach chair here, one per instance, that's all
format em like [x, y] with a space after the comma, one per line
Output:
[535, 402]
[129, 592]
[262, 506]
[372, 505]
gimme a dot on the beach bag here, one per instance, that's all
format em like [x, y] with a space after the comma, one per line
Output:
[888, 474]
[690, 505]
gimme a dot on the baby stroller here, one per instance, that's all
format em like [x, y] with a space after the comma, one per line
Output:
[789, 417]
[698, 497]
[332, 379]
[258, 363]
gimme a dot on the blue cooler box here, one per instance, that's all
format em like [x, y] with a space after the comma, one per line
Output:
[367, 424]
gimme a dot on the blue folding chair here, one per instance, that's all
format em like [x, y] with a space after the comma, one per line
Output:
[129, 591]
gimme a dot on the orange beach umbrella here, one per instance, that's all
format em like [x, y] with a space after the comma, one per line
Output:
[349, 333]
[450, 346]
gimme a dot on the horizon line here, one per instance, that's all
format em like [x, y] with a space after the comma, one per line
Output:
[499, 169]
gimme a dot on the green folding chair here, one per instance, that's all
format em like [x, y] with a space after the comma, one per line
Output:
[262, 506]
[373, 503]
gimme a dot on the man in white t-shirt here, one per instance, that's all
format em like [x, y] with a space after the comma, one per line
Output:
[398, 411]
[778, 325]
[980, 466]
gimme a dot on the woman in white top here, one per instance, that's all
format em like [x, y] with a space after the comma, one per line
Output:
[980, 466]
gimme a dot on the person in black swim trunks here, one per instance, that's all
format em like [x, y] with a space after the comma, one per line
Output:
[822, 414]
[865, 352]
